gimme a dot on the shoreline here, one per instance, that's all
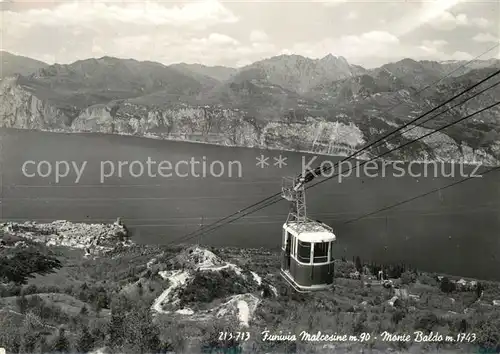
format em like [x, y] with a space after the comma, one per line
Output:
[160, 138]
[103, 225]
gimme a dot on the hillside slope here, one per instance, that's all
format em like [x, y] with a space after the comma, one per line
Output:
[11, 64]
[218, 73]
[179, 299]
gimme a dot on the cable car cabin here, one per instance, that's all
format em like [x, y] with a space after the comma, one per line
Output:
[307, 255]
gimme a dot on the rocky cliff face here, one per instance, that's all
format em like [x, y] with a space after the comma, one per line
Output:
[287, 102]
[210, 125]
[20, 108]
[230, 127]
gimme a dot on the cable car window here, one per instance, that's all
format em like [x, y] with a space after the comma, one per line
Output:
[287, 238]
[331, 251]
[304, 252]
[321, 252]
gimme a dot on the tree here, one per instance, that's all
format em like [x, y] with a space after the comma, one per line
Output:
[462, 328]
[10, 336]
[84, 341]
[142, 334]
[359, 325]
[121, 304]
[488, 333]
[29, 334]
[30, 289]
[41, 345]
[426, 322]
[61, 343]
[397, 316]
[24, 263]
[212, 344]
[359, 266]
[98, 330]
[427, 280]
[479, 290]
[100, 302]
[408, 278]
[84, 311]
[447, 286]
[29, 340]
[22, 303]
[116, 329]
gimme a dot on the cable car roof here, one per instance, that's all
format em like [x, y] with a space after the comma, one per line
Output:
[310, 231]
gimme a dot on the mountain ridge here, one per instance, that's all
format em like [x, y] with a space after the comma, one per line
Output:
[11, 64]
[324, 105]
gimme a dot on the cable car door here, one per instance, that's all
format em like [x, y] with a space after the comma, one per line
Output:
[288, 250]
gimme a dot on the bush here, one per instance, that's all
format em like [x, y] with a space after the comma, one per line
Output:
[447, 286]
[359, 325]
[84, 341]
[212, 342]
[24, 263]
[206, 287]
[488, 333]
[10, 335]
[427, 280]
[397, 316]
[343, 269]
[426, 322]
[133, 329]
[84, 311]
[30, 289]
[42, 309]
[10, 289]
[359, 265]
[408, 278]
[61, 343]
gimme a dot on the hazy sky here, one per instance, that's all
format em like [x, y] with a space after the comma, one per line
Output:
[213, 32]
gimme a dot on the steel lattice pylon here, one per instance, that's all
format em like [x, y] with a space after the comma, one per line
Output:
[294, 191]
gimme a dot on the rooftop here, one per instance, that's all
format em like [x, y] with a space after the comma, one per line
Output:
[311, 231]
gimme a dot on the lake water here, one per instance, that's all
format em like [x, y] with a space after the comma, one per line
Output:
[454, 231]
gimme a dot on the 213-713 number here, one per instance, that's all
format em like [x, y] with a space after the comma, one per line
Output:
[243, 336]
